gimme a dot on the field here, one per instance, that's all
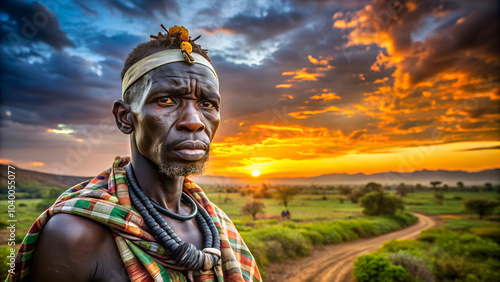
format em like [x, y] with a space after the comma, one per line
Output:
[320, 207]
[303, 207]
[424, 202]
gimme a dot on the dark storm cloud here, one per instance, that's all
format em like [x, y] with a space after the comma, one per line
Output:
[483, 107]
[32, 21]
[261, 28]
[462, 36]
[265, 104]
[82, 5]
[471, 45]
[415, 123]
[117, 46]
[60, 89]
[146, 9]
[480, 149]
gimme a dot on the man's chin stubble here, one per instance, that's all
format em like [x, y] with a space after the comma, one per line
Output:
[172, 170]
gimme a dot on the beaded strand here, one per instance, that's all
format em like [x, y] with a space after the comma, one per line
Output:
[186, 254]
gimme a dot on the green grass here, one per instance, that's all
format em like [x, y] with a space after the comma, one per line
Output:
[463, 250]
[302, 207]
[275, 241]
[424, 201]
[25, 215]
[312, 215]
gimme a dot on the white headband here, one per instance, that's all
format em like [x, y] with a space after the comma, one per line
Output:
[158, 59]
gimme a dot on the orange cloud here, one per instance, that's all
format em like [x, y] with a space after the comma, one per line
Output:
[421, 100]
[283, 86]
[325, 96]
[385, 79]
[302, 75]
[36, 164]
[5, 161]
[315, 61]
[305, 114]
[342, 24]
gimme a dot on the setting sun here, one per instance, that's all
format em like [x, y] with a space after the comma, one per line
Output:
[255, 173]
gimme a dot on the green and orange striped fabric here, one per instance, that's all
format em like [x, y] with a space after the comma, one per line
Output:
[105, 199]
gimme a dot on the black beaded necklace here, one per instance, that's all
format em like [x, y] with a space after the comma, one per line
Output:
[167, 212]
[186, 255]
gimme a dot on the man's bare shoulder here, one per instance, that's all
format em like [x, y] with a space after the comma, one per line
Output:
[73, 248]
[73, 230]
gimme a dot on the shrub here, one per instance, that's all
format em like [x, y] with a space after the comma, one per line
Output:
[284, 194]
[402, 190]
[452, 255]
[439, 196]
[459, 224]
[44, 204]
[492, 233]
[19, 237]
[274, 250]
[394, 246]
[430, 235]
[452, 268]
[415, 266]
[4, 260]
[456, 244]
[270, 241]
[372, 187]
[253, 208]
[377, 203]
[354, 196]
[294, 244]
[480, 206]
[3, 223]
[345, 190]
[376, 268]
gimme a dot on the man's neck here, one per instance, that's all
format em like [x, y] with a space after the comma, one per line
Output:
[158, 187]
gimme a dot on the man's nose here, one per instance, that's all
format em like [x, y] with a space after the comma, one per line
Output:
[190, 118]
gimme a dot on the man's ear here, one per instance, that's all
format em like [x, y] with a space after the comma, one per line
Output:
[123, 116]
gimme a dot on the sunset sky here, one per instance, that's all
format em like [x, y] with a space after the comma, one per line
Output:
[308, 87]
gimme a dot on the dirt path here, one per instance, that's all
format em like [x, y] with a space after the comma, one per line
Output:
[334, 263]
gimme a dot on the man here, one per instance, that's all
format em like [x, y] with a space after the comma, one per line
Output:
[143, 220]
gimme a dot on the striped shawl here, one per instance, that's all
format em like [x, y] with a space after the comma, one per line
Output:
[105, 199]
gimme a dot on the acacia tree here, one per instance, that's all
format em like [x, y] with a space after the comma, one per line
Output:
[252, 208]
[372, 187]
[488, 187]
[438, 194]
[377, 203]
[285, 194]
[402, 190]
[480, 206]
[460, 185]
[435, 184]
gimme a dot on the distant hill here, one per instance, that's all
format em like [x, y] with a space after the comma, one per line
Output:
[28, 179]
[423, 177]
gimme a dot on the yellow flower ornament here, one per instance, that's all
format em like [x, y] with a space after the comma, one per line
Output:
[186, 47]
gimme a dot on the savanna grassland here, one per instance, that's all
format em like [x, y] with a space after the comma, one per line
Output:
[319, 215]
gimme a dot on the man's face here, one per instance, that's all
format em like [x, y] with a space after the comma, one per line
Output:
[176, 116]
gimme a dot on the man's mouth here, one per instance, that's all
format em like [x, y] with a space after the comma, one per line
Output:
[191, 150]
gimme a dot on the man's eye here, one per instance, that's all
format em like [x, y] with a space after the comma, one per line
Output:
[166, 100]
[207, 104]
